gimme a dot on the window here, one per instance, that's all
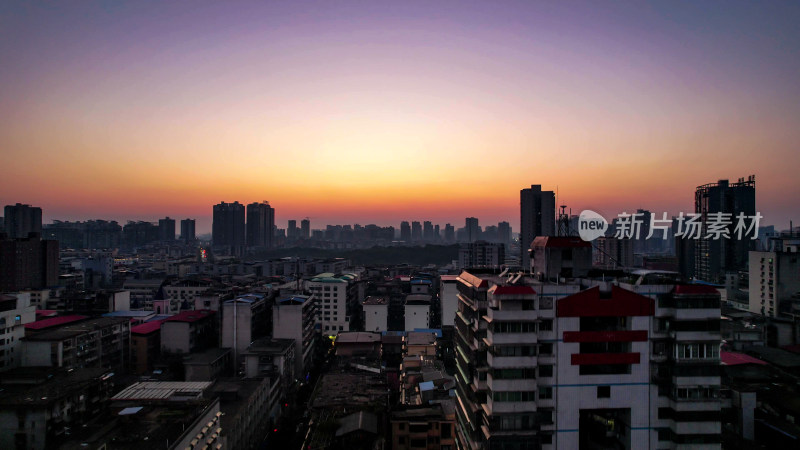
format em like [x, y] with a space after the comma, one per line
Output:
[603, 391]
[545, 392]
[546, 349]
[547, 438]
[513, 396]
[546, 370]
[546, 325]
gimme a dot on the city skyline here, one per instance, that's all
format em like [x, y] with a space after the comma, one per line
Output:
[349, 113]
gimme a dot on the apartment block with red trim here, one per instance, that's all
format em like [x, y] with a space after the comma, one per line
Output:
[567, 363]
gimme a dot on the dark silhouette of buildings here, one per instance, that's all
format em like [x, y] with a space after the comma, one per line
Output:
[227, 228]
[188, 231]
[260, 222]
[537, 217]
[28, 263]
[715, 257]
[22, 219]
[166, 229]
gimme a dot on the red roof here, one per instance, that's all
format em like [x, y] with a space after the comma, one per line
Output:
[735, 359]
[588, 303]
[190, 316]
[695, 289]
[147, 327]
[53, 322]
[512, 290]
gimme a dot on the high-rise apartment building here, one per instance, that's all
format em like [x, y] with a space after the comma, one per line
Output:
[260, 221]
[22, 219]
[305, 229]
[188, 231]
[613, 253]
[775, 275]
[449, 233]
[405, 231]
[481, 254]
[472, 229]
[427, 231]
[166, 229]
[28, 263]
[504, 234]
[537, 217]
[416, 231]
[228, 226]
[586, 363]
[716, 257]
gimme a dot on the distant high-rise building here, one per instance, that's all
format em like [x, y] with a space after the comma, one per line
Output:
[22, 219]
[405, 231]
[28, 263]
[449, 233]
[305, 229]
[291, 231]
[416, 231]
[427, 231]
[715, 257]
[537, 217]
[473, 229]
[137, 234]
[504, 234]
[228, 226]
[187, 231]
[436, 235]
[166, 229]
[260, 222]
[481, 254]
[614, 253]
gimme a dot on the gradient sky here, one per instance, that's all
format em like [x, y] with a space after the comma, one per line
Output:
[374, 112]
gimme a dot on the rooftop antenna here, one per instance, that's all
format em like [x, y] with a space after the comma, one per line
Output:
[563, 222]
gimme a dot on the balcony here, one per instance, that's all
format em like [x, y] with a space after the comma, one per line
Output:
[492, 407]
[512, 315]
[510, 338]
[579, 359]
[510, 362]
[522, 384]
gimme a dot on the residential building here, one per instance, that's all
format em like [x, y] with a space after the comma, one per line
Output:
[40, 406]
[424, 426]
[715, 257]
[405, 231]
[557, 257]
[228, 226]
[305, 229]
[208, 365]
[614, 253]
[15, 313]
[537, 218]
[260, 223]
[337, 297]
[294, 317]
[21, 220]
[145, 346]
[28, 263]
[583, 362]
[448, 298]
[775, 277]
[416, 310]
[472, 228]
[376, 314]
[416, 231]
[166, 230]
[100, 342]
[244, 319]
[189, 331]
[188, 231]
[481, 254]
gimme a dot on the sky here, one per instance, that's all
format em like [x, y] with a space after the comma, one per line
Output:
[377, 112]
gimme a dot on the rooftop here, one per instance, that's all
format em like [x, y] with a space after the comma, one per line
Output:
[147, 327]
[163, 390]
[376, 301]
[418, 299]
[191, 316]
[51, 322]
[352, 337]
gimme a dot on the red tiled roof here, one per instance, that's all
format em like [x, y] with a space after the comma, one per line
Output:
[512, 290]
[190, 316]
[735, 359]
[53, 322]
[147, 327]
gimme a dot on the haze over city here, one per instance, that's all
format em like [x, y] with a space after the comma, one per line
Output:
[358, 112]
